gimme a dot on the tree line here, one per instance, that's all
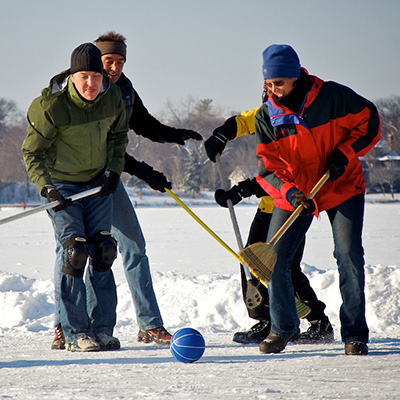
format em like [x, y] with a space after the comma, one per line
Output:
[188, 167]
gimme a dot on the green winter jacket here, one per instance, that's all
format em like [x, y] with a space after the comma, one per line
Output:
[71, 139]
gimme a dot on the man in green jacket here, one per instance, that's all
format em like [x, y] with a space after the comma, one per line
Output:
[77, 136]
[126, 227]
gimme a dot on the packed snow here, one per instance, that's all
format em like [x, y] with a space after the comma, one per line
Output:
[197, 285]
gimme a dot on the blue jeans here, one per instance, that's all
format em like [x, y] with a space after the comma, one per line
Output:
[83, 218]
[346, 221]
[99, 285]
[132, 246]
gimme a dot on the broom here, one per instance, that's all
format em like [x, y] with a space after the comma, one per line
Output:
[224, 184]
[302, 309]
[253, 295]
[261, 257]
[47, 206]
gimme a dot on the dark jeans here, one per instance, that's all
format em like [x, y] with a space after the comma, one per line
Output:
[347, 221]
[258, 233]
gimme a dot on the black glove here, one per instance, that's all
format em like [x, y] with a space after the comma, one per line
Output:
[51, 193]
[155, 179]
[221, 196]
[236, 193]
[295, 197]
[336, 164]
[180, 135]
[216, 143]
[108, 182]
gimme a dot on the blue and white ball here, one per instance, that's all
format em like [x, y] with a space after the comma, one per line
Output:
[187, 345]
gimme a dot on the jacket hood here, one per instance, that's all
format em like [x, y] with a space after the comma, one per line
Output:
[59, 84]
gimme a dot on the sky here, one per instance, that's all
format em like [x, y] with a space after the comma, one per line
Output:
[209, 49]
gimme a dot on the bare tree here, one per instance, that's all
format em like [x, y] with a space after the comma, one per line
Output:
[383, 160]
[389, 111]
[9, 113]
[12, 134]
[177, 162]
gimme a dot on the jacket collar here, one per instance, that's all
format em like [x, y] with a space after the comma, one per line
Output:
[62, 83]
[316, 84]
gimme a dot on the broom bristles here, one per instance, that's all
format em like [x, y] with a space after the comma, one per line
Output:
[302, 309]
[261, 259]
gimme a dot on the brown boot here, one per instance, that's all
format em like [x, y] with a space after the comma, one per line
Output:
[355, 348]
[275, 344]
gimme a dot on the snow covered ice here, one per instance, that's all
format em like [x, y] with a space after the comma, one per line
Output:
[197, 285]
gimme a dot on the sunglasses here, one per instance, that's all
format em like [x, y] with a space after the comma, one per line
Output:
[279, 83]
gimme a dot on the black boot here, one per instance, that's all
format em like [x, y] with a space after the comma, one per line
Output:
[256, 334]
[319, 332]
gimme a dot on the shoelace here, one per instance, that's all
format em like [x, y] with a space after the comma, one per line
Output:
[259, 327]
[160, 333]
[60, 333]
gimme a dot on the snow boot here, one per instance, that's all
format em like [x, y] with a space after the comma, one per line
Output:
[319, 332]
[157, 335]
[107, 342]
[84, 343]
[355, 348]
[275, 344]
[58, 340]
[256, 334]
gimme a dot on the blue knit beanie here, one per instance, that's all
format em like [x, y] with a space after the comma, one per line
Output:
[280, 61]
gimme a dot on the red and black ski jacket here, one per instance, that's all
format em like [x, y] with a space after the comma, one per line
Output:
[293, 148]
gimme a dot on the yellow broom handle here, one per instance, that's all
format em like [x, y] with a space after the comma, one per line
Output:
[187, 209]
[298, 210]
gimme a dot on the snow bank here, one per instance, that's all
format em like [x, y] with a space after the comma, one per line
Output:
[210, 303]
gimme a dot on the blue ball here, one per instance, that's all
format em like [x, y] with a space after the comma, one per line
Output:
[187, 345]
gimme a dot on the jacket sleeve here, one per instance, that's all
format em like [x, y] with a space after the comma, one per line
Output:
[118, 140]
[144, 124]
[40, 136]
[361, 122]
[246, 122]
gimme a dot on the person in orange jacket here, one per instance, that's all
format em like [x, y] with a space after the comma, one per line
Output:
[307, 127]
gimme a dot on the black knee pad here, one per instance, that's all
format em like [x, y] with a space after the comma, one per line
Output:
[76, 254]
[106, 251]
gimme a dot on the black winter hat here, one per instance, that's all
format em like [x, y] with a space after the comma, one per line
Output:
[86, 57]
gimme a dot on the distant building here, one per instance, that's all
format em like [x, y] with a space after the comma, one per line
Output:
[240, 173]
[381, 168]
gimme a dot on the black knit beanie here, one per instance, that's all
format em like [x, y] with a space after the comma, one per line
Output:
[86, 57]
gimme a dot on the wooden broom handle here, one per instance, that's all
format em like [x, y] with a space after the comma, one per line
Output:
[298, 210]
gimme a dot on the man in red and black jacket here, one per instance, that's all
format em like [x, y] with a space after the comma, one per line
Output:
[305, 128]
